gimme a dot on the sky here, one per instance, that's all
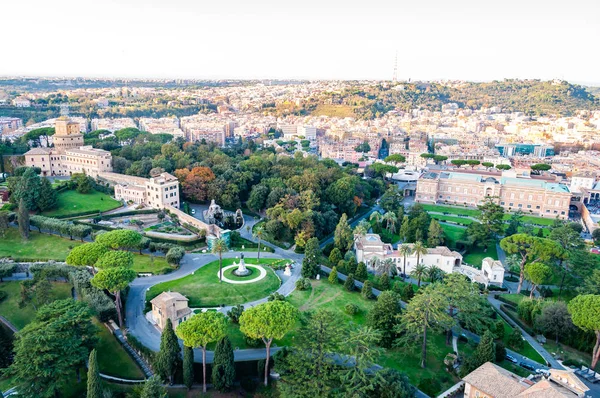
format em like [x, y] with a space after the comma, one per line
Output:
[476, 40]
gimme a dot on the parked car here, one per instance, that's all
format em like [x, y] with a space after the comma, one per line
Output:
[544, 372]
[193, 211]
[510, 358]
[527, 366]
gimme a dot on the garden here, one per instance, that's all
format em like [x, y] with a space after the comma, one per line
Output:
[203, 288]
[72, 203]
[168, 227]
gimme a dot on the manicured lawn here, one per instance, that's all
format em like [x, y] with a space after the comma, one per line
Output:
[38, 247]
[452, 219]
[204, 290]
[533, 220]
[20, 317]
[71, 202]
[453, 234]
[452, 210]
[153, 264]
[113, 360]
[475, 256]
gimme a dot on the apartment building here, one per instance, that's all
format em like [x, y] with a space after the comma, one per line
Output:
[10, 124]
[113, 125]
[165, 125]
[533, 196]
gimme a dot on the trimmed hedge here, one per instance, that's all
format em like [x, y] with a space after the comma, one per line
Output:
[128, 213]
[78, 214]
[499, 297]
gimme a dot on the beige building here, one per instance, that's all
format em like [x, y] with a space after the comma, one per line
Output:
[170, 305]
[533, 196]
[157, 192]
[492, 381]
[69, 156]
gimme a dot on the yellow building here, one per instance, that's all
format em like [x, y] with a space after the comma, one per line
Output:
[170, 305]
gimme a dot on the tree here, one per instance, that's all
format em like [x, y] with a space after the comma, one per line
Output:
[310, 369]
[425, 312]
[499, 331]
[51, 348]
[342, 237]
[153, 388]
[25, 188]
[120, 239]
[94, 383]
[200, 330]
[195, 182]
[188, 366]
[530, 250]
[333, 276]
[4, 222]
[390, 383]
[485, 349]
[114, 258]
[384, 317]
[349, 283]
[218, 247]
[458, 162]
[6, 270]
[514, 223]
[258, 197]
[367, 290]
[357, 380]
[364, 147]
[419, 272]
[390, 221]
[407, 292]
[223, 373]
[585, 313]
[312, 257]
[596, 236]
[114, 280]
[391, 200]
[537, 274]
[395, 158]
[23, 219]
[405, 250]
[84, 185]
[503, 167]
[361, 272]
[384, 281]
[435, 236]
[555, 319]
[268, 321]
[473, 163]
[419, 250]
[258, 234]
[488, 165]
[335, 257]
[48, 197]
[539, 167]
[570, 240]
[166, 360]
[515, 340]
[491, 219]
[434, 273]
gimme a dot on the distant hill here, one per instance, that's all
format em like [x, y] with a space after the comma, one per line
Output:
[533, 97]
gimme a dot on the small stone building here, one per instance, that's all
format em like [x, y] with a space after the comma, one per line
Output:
[170, 305]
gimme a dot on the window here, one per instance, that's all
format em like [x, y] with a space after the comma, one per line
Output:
[529, 206]
[502, 203]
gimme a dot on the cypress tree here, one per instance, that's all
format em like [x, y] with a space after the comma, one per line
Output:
[384, 282]
[485, 349]
[48, 196]
[94, 384]
[23, 220]
[361, 272]
[166, 360]
[153, 388]
[367, 290]
[188, 366]
[223, 374]
[349, 283]
[333, 276]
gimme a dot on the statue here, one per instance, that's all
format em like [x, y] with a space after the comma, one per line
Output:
[241, 269]
[288, 270]
[214, 214]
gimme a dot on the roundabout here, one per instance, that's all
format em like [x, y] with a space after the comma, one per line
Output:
[240, 280]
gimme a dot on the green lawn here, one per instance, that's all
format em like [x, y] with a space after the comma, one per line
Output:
[452, 210]
[9, 307]
[153, 264]
[452, 234]
[113, 360]
[568, 353]
[452, 219]
[475, 256]
[72, 202]
[38, 247]
[204, 290]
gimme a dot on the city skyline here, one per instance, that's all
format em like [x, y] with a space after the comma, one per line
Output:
[264, 40]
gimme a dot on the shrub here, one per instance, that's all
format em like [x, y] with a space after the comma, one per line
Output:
[367, 290]
[430, 386]
[349, 283]
[275, 296]
[351, 309]
[515, 340]
[3, 295]
[235, 312]
[175, 254]
[303, 284]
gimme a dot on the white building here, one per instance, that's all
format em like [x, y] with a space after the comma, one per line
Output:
[21, 102]
[156, 192]
[581, 181]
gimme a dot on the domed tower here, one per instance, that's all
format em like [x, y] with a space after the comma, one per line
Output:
[67, 135]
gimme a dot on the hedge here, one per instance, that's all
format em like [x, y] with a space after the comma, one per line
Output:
[499, 297]
[79, 214]
[128, 213]
[513, 316]
[97, 227]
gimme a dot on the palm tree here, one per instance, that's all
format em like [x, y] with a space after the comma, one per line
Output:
[385, 266]
[434, 273]
[258, 234]
[405, 250]
[390, 221]
[420, 250]
[361, 229]
[220, 246]
[419, 273]
[375, 216]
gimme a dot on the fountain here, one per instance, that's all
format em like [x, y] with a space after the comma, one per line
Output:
[241, 269]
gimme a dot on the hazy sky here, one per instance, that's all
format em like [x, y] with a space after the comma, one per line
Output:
[313, 39]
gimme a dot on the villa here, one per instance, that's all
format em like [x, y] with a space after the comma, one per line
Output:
[170, 305]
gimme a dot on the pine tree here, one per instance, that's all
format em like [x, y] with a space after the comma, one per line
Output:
[349, 283]
[361, 272]
[342, 236]
[384, 282]
[335, 256]
[407, 293]
[384, 317]
[435, 235]
[168, 356]
[485, 349]
[48, 196]
[94, 384]
[223, 374]
[333, 278]
[188, 366]
[23, 219]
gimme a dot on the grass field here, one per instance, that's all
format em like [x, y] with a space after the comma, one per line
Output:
[204, 290]
[334, 111]
[71, 202]
[113, 360]
[9, 307]
[476, 255]
[39, 246]
[453, 234]
[153, 264]
[474, 213]
[452, 219]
